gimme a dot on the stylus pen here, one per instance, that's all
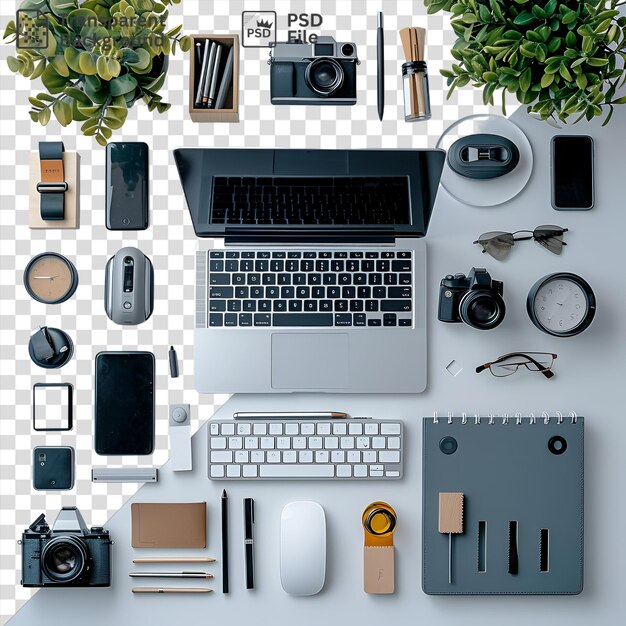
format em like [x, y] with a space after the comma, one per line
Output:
[203, 74]
[175, 559]
[170, 575]
[248, 540]
[318, 415]
[380, 64]
[170, 590]
[224, 542]
[209, 75]
[214, 77]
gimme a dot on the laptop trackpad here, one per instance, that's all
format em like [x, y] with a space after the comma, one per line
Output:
[310, 360]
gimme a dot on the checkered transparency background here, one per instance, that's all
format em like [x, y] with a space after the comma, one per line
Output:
[170, 240]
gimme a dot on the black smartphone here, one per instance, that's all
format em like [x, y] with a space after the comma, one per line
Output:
[127, 186]
[124, 403]
[572, 172]
[53, 468]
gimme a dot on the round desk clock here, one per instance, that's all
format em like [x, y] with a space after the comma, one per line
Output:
[50, 278]
[561, 304]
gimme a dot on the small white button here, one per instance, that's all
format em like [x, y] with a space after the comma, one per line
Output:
[276, 429]
[250, 471]
[291, 429]
[228, 429]
[344, 471]
[371, 429]
[218, 443]
[360, 471]
[355, 429]
[233, 471]
[390, 429]
[307, 429]
[243, 429]
[217, 471]
[323, 429]
[260, 429]
[225, 456]
[257, 456]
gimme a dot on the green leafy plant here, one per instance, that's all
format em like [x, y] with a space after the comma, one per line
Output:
[95, 58]
[559, 57]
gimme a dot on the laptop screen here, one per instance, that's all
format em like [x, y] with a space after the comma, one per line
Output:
[301, 194]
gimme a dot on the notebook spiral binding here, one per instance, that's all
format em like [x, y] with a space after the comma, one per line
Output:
[505, 417]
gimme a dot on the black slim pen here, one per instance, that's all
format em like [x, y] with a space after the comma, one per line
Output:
[248, 540]
[380, 64]
[224, 542]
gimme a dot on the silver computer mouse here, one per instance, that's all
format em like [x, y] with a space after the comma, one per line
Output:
[129, 287]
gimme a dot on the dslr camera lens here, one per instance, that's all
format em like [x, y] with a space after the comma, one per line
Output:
[324, 76]
[482, 309]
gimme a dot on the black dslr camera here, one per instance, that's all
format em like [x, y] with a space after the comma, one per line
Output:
[323, 72]
[68, 555]
[475, 299]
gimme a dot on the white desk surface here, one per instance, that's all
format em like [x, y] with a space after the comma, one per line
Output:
[590, 372]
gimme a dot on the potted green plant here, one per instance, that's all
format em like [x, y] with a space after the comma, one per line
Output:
[561, 58]
[95, 58]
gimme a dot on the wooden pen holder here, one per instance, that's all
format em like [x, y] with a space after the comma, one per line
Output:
[230, 111]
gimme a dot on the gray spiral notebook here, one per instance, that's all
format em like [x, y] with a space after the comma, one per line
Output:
[502, 509]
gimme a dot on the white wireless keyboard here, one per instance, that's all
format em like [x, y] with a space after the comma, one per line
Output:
[279, 449]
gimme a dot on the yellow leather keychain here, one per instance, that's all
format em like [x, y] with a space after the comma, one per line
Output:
[379, 524]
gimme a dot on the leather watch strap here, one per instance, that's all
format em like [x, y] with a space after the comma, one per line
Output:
[379, 524]
[43, 349]
[52, 186]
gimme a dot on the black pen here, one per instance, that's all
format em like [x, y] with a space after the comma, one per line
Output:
[224, 542]
[380, 64]
[248, 540]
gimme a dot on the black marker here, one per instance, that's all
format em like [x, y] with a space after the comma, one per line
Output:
[224, 542]
[248, 540]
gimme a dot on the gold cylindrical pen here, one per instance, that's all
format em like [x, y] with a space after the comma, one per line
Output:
[175, 559]
[170, 590]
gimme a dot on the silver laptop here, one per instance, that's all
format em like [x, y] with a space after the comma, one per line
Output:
[321, 285]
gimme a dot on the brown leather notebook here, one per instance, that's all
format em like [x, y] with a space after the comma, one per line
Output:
[168, 525]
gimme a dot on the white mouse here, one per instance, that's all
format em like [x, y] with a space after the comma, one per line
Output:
[302, 548]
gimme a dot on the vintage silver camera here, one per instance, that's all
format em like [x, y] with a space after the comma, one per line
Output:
[323, 72]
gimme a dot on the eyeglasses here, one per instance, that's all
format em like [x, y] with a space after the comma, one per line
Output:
[498, 244]
[508, 364]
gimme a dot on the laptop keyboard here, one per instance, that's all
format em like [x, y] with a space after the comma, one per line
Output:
[310, 200]
[305, 450]
[304, 288]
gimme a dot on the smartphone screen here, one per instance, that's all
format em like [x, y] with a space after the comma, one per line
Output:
[127, 186]
[124, 406]
[572, 172]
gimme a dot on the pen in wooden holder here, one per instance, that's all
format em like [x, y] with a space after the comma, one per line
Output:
[450, 521]
[415, 75]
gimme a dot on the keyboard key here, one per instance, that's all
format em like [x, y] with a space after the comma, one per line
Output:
[214, 429]
[231, 265]
[341, 305]
[217, 471]
[251, 443]
[294, 255]
[331, 443]
[355, 429]
[378, 442]
[307, 429]
[234, 306]
[302, 319]
[245, 319]
[277, 266]
[395, 305]
[382, 266]
[263, 306]
[305, 456]
[337, 456]
[362, 443]
[375, 278]
[333, 292]
[299, 279]
[242, 456]
[283, 443]
[339, 429]
[347, 443]
[232, 254]
[314, 279]
[359, 319]
[261, 265]
[399, 292]
[359, 279]
[262, 254]
[322, 456]
[371, 255]
[360, 471]
[216, 266]
[278, 254]
[220, 292]
[298, 443]
[343, 471]
[376, 473]
[393, 443]
[216, 254]
[389, 319]
[390, 279]
[233, 471]
[403, 265]
[323, 429]
[289, 456]
[240, 292]
[222, 456]
[404, 321]
[250, 471]
[371, 429]
[254, 279]
[369, 456]
[217, 305]
[276, 429]
[243, 429]
[268, 279]
[371, 305]
[356, 255]
[292, 429]
[216, 319]
[389, 456]
[390, 429]
[219, 279]
[374, 322]
[329, 279]
[259, 429]
[296, 471]
[228, 429]
[249, 305]
[262, 319]
[284, 279]
[246, 265]
[343, 319]
[405, 279]
[257, 456]
[379, 292]
[315, 443]
[302, 292]
[235, 443]
[273, 456]
[218, 443]
[356, 306]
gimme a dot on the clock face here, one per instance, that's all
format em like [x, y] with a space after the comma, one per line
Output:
[560, 305]
[50, 278]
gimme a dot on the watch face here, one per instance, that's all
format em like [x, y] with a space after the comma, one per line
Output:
[50, 278]
[561, 305]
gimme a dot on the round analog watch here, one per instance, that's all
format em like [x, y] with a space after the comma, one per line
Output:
[50, 278]
[561, 304]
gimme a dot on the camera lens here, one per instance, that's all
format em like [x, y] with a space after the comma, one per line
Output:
[63, 559]
[347, 49]
[482, 309]
[324, 76]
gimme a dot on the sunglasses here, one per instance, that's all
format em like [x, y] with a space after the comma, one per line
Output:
[498, 244]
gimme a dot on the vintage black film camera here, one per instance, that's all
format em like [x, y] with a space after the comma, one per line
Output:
[474, 299]
[323, 72]
[67, 555]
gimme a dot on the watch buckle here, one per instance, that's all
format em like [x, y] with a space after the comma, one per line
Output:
[61, 187]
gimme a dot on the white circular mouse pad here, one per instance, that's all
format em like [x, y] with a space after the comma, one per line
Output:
[495, 191]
